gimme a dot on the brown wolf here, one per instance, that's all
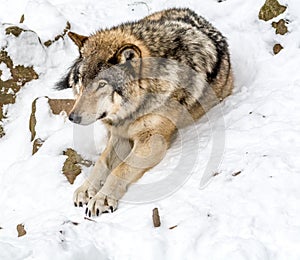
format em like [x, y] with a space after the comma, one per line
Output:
[143, 80]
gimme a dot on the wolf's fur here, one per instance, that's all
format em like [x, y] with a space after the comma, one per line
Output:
[144, 80]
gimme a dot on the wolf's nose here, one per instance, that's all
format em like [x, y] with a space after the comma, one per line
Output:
[75, 118]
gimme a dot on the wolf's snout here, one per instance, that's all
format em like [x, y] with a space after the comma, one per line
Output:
[75, 118]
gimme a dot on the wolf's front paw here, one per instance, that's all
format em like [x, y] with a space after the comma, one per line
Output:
[84, 193]
[101, 203]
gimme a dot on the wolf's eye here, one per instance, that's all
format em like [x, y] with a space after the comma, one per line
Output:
[102, 83]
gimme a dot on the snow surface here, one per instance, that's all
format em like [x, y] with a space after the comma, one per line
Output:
[5, 75]
[253, 215]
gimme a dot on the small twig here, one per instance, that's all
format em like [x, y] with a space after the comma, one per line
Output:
[71, 222]
[215, 174]
[141, 3]
[89, 219]
[173, 227]
[155, 217]
[236, 173]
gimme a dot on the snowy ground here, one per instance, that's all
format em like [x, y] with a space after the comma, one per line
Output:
[253, 215]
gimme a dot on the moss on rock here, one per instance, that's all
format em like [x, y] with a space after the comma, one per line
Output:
[271, 9]
[280, 27]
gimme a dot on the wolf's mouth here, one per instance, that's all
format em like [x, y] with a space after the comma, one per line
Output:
[102, 116]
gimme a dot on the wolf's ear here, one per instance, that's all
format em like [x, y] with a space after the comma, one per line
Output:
[77, 39]
[127, 52]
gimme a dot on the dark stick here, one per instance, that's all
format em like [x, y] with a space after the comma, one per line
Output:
[156, 218]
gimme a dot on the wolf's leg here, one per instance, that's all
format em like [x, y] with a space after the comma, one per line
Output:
[116, 150]
[150, 146]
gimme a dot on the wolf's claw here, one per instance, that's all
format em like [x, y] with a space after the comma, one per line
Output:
[101, 203]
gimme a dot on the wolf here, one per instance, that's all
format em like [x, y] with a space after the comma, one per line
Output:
[144, 80]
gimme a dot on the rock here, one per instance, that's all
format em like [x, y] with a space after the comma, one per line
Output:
[6, 59]
[72, 165]
[57, 106]
[15, 30]
[57, 37]
[23, 74]
[2, 133]
[280, 27]
[22, 18]
[21, 230]
[36, 145]
[277, 48]
[271, 9]
[9, 88]
[156, 217]
[48, 43]
[32, 120]
[71, 169]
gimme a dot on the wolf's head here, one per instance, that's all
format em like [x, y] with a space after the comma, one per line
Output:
[104, 81]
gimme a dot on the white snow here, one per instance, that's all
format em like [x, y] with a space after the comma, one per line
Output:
[256, 131]
[5, 75]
